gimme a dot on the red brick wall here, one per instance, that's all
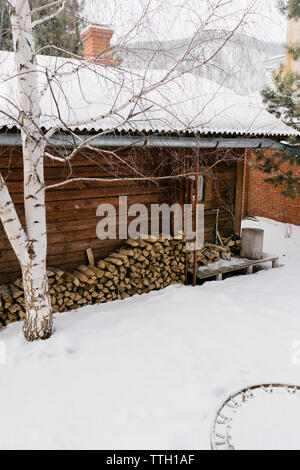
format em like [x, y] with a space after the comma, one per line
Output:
[265, 200]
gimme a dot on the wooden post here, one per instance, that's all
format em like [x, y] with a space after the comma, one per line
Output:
[275, 263]
[195, 216]
[245, 182]
[239, 197]
[184, 200]
[250, 270]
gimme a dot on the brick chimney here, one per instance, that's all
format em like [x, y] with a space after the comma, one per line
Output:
[293, 39]
[96, 43]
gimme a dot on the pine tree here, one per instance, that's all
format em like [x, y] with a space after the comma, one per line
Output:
[290, 8]
[62, 31]
[283, 100]
[5, 32]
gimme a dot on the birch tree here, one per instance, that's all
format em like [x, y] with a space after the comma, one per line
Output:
[29, 242]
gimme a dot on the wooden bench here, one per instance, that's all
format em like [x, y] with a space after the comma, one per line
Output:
[236, 264]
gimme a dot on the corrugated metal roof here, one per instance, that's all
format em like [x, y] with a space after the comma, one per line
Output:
[83, 96]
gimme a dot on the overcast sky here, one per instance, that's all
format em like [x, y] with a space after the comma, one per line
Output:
[169, 19]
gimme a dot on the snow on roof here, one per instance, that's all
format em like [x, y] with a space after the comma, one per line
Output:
[90, 98]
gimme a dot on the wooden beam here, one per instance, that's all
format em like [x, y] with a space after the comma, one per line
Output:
[239, 197]
[195, 267]
[208, 191]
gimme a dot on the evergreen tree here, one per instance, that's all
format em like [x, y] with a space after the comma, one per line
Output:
[283, 100]
[5, 32]
[62, 31]
[290, 8]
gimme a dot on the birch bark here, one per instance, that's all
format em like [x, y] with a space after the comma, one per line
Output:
[38, 322]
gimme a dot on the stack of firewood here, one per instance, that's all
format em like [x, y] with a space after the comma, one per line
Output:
[139, 267]
[211, 253]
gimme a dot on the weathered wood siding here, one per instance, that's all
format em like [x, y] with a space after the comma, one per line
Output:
[71, 210]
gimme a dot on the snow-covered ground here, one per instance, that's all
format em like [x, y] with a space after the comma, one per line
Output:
[150, 371]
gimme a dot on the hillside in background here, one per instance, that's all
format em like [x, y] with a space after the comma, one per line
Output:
[239, 65]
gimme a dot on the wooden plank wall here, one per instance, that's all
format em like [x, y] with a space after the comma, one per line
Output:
[71, 210]
[222, 191]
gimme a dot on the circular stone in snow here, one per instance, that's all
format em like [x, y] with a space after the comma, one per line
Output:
[259, 418]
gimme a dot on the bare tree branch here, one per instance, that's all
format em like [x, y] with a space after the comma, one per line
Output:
[152, 178]
[10, 4]
[44, 7]
[49, 17]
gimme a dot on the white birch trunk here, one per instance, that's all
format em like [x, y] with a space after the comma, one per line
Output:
[12, 225]
[38, 322]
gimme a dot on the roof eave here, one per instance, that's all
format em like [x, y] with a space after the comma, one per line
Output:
[213, 141]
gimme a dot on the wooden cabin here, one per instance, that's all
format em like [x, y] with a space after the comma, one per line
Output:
[71, 209]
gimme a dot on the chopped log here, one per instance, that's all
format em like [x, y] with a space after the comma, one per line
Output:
[220, 239]
[51, 272]
[110, 267]
[22, 314]
[6, 293]
[217, 247]
[87, 271]
[98, 272]
[116, 261]
[19, 283]
[149, 238]
[16, 291]
[101, 265]
[90, 257]
[226, 256]
[227, 240]
[126, 251]
[142, 243]
[82, 277]
[133, 243]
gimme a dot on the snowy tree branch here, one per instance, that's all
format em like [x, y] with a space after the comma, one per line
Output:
[49, 17]
[172, 74]
[45, 7]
